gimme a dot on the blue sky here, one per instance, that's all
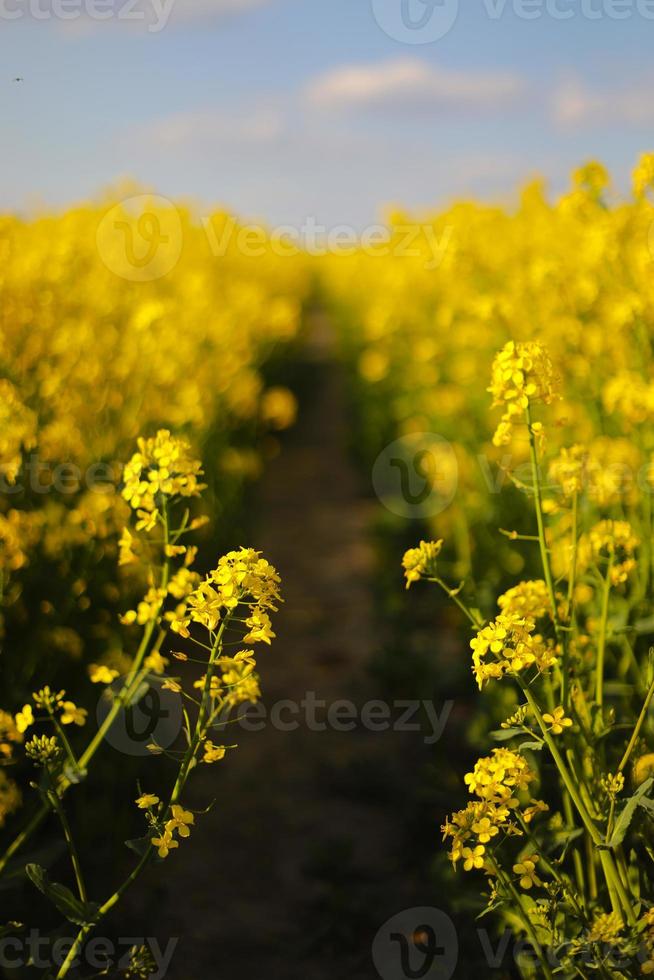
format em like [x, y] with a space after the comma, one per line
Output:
[289, 109]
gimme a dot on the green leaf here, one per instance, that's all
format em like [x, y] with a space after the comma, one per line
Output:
[80, 913]
[504, 734]
[571, 836]
[139, 845]
[14, 873]
[187, 727]
[646, 804]
[644, 626]
[627, 814]
[534, 746]
[617, 688]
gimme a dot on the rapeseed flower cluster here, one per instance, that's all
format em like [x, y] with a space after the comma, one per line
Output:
[523, 375]
[223, 615]
[529, 600]
[498, 781]
[612, 542]
[244, 578]
[91, 356]
[573, 649]
[421, 562]
[567, 286]
[509, 645]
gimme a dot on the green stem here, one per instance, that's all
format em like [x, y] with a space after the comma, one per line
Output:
[200, 725]
[176, 793]
[565, 680]
[517, 898]
[64, 740]
[55, 803]
[561, 637]
[601, 645]
[576, 856]
[538, 501]
[551, 868]
[636, 732]
[102, 912]
[451, 594]
[592, 874]
[131, 683]
[631, 662]
[572, 581]
[129, 688]
[25, 834]
[561, 766]
[619, 899]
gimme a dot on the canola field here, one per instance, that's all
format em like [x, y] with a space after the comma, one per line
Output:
[137, 405]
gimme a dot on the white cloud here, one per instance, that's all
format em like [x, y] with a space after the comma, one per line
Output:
[412, 83]
[574, 103]
[217, 128]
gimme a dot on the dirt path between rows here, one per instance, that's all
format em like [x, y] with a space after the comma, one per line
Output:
[300, 861]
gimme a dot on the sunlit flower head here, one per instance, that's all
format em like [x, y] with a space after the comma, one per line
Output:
[522, 375]
[421, 562]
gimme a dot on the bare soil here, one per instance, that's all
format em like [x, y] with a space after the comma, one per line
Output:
[300, 861]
